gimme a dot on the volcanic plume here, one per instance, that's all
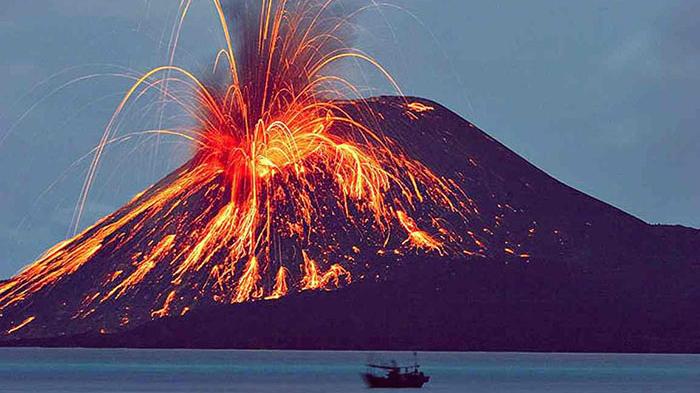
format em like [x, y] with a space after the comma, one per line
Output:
[292, 186]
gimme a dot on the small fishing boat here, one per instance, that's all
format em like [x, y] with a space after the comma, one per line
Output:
[394, 376]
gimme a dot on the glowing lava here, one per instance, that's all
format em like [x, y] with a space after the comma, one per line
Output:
[285, 170]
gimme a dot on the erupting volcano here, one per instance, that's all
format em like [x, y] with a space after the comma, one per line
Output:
[298, 185]
[292, 185]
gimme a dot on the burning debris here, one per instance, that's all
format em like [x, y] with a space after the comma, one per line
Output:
[288, 166]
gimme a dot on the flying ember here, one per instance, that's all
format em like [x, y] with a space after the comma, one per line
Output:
[288, 181]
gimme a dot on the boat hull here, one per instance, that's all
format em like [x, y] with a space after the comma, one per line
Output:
[406, 381]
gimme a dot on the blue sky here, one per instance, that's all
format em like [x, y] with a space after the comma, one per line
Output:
[602, 95]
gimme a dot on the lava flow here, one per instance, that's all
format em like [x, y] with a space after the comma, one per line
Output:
[289, 185]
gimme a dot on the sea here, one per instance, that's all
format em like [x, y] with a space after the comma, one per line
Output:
[145, 370]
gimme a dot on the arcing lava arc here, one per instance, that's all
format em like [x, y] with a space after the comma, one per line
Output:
[292, 186]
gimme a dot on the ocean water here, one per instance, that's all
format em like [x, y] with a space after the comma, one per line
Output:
[90, 370]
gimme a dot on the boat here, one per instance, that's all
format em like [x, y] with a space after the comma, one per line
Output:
[394, 376]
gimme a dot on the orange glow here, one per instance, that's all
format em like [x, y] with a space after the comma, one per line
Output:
[313, 279]
[280, 289]
[113, 276]
[333, 275]
[21, 325]
[419, 107]
[144, 267]
[248, 284]
[418, 238]
[165, 310]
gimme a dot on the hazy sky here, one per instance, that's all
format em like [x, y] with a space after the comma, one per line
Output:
[603, 95]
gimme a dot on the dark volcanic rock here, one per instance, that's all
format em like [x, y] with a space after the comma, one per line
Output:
[438, 304]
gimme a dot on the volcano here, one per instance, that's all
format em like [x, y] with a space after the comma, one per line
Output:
[523, 263]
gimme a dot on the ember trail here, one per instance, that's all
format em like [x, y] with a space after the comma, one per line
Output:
[287, 190]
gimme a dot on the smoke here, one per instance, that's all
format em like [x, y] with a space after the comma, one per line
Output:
[245, 19]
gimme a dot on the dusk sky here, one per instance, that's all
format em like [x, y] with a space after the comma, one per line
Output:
[601, 95]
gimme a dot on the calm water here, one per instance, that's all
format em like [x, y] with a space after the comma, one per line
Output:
[83, 370]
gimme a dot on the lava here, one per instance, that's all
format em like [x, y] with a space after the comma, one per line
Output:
[279, 160]
[418, 238]
[21, 325]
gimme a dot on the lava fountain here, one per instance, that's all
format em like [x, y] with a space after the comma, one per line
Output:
[290, 186]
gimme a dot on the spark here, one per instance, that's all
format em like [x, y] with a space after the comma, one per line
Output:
[21, 325]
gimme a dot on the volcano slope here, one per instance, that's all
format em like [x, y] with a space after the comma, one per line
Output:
[532, 264]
